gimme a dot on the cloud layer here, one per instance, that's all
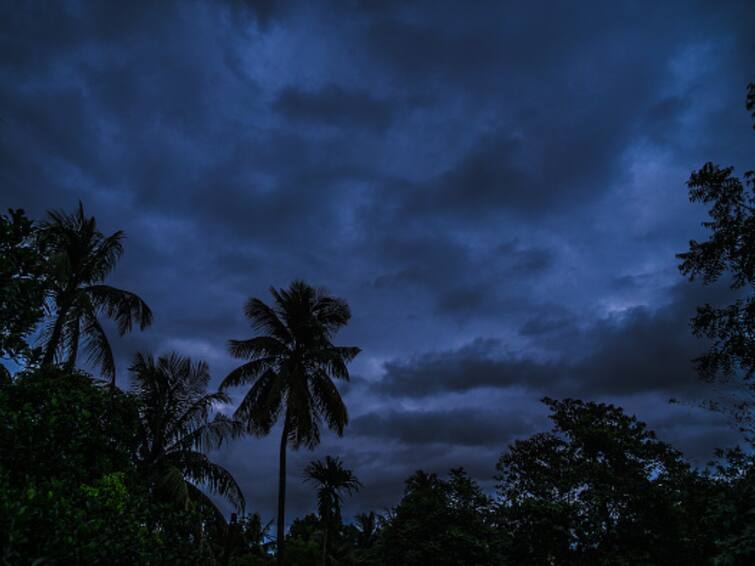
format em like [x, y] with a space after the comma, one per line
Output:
[498, 192]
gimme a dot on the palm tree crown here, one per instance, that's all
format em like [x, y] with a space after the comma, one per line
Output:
[291, 365]
[332, 481]
[176, 429]
[81, 257]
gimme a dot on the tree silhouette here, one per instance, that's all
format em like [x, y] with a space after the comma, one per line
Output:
[22, 284]
[291, 365]
[439, 522]
[367, 525]
[729, 249]
[176, 429]
[80, 258]
[599, 488]
[332, 481]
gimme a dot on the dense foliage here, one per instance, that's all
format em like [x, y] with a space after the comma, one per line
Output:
[22, 283]
[70, 491]
[437, 522]
[597, 489]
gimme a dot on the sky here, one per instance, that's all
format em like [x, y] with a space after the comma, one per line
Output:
[497, 189]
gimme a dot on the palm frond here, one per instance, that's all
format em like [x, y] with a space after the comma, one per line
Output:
[105, 254]
[257, 347]
[264, 318]
[200, 470]
[347, 353]
[123, 307]
[262, 404]
[211, 435]
[329, 403]
[247, 372]
[333, 359]
[200, 498]
[302, 416]
[332, 313]
[197, 411]
[142, 368]
[97, 346]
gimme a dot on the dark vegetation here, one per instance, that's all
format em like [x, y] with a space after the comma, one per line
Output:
[91, 474]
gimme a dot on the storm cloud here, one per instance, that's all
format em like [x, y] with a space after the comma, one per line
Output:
[497, 190]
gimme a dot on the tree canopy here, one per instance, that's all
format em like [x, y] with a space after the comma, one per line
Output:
[729, 250]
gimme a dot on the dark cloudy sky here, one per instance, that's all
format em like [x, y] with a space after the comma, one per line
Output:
[497, 189]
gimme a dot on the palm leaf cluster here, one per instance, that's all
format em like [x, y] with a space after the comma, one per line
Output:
[333, 480]
[80, 259]
[292, 364]
[177, 430]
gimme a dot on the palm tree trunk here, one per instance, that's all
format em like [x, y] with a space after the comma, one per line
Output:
[57, 331]
[73, 354]
[281, 535]
[325, 545]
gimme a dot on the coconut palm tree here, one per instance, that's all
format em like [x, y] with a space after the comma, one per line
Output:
[332, 481]
[81, 257]
[367, 524]
[292, 363]
[176, 430]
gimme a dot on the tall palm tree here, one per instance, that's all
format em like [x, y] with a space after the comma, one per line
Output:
[291, 364]
[332, 480]
[176, 430]
[81, 257]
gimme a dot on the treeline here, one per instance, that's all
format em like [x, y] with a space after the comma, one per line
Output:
[92, 474]
[83, 481]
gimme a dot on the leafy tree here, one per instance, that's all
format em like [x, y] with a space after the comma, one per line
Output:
[291, 365]
[80, 258]
[598, 489]
[437, 522]
[729, 249]
[176, 430]
[332, 481]
[730, 507]
[304, 541]
[22, 283]
[73, 486]
[60, 424]
[69, 488]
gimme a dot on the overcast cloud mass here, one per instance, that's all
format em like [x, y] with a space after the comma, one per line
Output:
[496, 188]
